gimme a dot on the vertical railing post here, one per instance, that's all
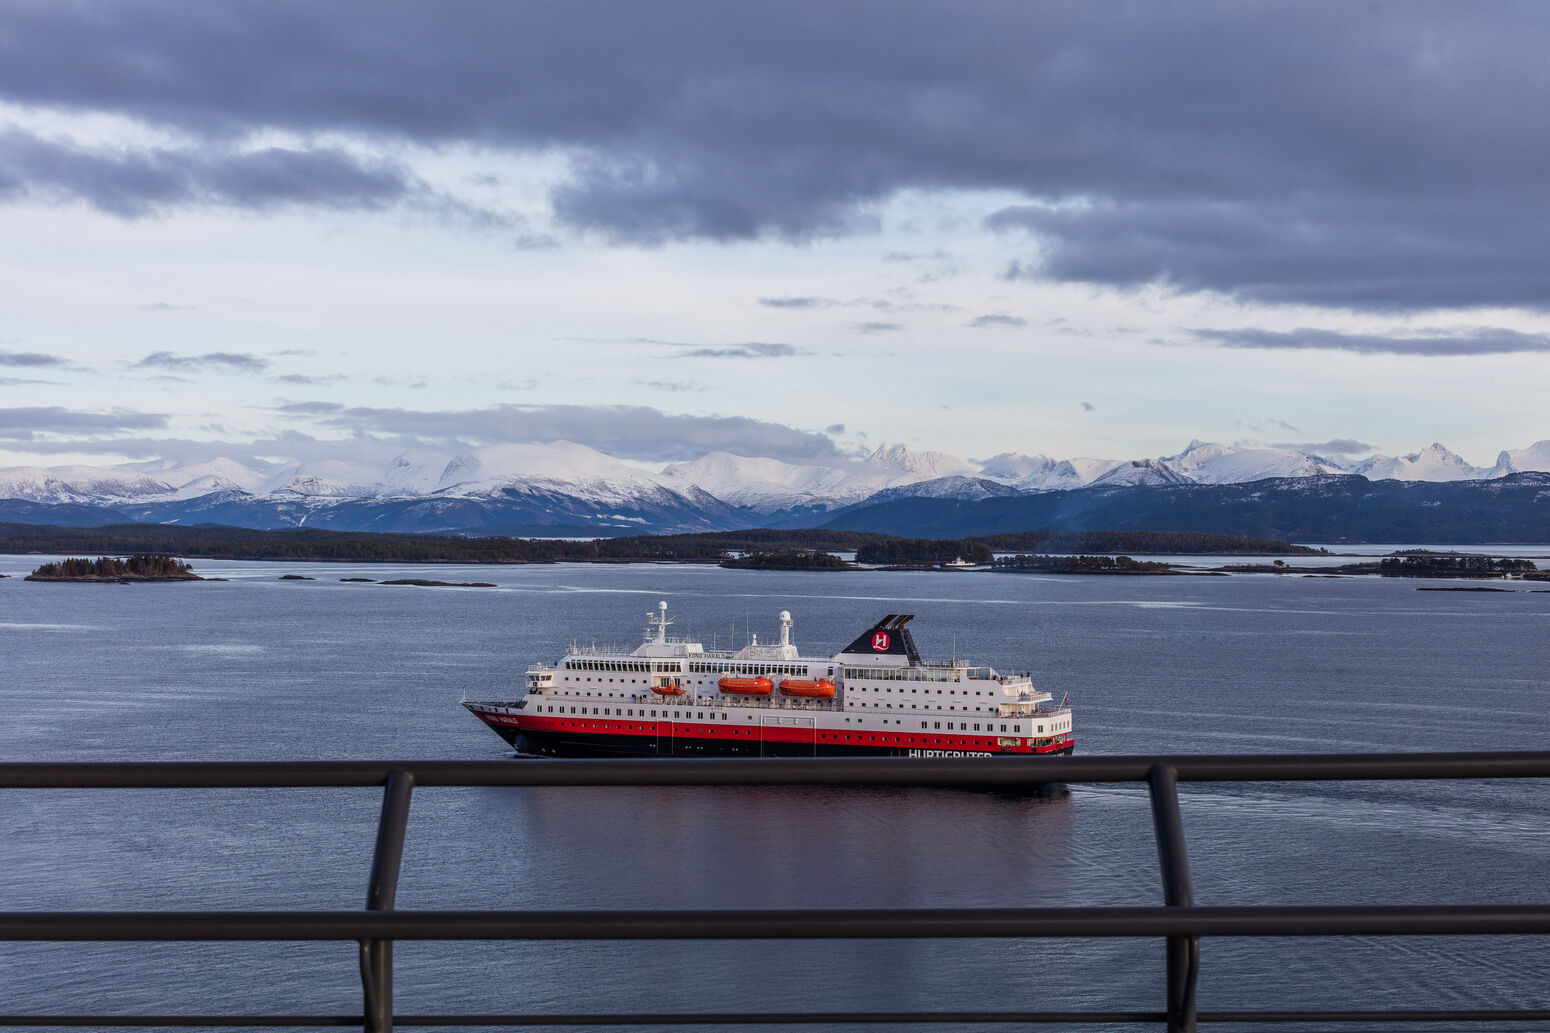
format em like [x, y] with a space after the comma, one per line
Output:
[1183, 951]
[386, 859]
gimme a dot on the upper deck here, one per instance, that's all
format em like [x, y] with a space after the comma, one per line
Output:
[880, 671]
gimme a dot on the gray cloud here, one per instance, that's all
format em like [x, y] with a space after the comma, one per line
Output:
[312, 408]
[1470, 341]
[217, 362]
[29, 360]
[982, 322]
[1088, 406]
[1374, 156]
[162, 306]
[876, 327]
[626, 431]
[257, 453]
[132, 184]
[800, 302]
[23, 423]
[1352, 251]
[302, 380]
[751, 350]
[1335, 446]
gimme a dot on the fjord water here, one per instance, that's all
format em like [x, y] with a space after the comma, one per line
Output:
[261, 669]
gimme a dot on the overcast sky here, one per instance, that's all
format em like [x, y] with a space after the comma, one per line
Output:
[797, 229]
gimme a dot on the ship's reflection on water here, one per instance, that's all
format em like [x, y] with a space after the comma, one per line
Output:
[797, 847]
[778, 846]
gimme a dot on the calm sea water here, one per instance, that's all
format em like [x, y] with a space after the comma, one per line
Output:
[263, 669]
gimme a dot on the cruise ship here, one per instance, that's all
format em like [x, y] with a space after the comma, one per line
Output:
[875, 698]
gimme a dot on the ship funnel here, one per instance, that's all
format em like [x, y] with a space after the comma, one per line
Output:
[785, 627]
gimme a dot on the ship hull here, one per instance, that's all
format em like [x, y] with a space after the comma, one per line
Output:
[681, 741]
[561, 744]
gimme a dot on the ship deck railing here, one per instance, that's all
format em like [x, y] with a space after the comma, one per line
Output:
[1179, 923]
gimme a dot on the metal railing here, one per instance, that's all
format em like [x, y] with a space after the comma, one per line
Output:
[1180, 922]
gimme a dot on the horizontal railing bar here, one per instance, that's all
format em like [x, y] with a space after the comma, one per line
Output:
[135, 1021]
[645, 1019]
[764, 924]
[781, 1018]
[1409, 1015]
[940, 771]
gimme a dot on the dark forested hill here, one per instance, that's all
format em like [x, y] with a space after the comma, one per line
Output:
[1515, 508]
[712, 547]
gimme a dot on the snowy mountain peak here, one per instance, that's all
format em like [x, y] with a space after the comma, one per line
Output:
[1015, 466]
[415, 472]
[1433, 463]
[768, 485]
[563, 462]
[1211, 463]
[1040, 472]
[925, 465]
[1522, 460]
[1141, 472]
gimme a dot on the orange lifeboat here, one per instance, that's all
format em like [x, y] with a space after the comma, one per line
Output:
[814, 688]
[760, 686]
[667, 690]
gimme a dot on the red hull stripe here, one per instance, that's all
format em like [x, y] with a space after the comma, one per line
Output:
[767, 733]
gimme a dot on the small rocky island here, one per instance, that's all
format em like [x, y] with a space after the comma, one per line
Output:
[111, 569]
[425, 583]
[787, 559]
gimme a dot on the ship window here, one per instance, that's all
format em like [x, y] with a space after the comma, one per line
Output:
[923, 724]
[976, 728]
[936, 724]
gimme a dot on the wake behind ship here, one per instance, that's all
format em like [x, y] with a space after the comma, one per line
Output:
[875, 698]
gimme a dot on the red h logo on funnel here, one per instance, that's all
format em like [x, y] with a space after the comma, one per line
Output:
[880, 642]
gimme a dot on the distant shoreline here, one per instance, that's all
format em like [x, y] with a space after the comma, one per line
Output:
[712, 547]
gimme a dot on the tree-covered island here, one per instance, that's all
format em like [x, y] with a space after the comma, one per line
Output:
[787, 559]
[113, 569]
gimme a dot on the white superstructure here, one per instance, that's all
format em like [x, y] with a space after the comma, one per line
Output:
[672, 697]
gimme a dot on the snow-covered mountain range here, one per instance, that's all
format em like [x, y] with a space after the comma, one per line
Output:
[569, 488]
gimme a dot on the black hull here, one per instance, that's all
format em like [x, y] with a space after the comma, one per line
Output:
[577, 744]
